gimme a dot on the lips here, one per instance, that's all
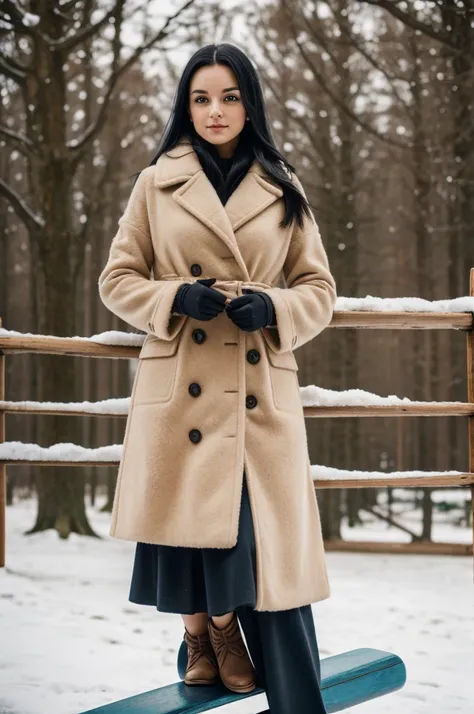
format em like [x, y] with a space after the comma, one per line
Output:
[217, 126]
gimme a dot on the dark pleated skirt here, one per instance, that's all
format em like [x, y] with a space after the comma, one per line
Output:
[190, 580]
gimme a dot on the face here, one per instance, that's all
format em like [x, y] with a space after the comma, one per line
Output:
[214, 98]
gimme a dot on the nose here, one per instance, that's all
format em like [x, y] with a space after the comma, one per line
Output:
[216, 111]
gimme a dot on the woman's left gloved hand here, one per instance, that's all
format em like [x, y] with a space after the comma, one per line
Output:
[251, 311]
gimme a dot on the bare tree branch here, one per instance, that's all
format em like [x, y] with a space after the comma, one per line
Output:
[117, 41]
[19, 141]
[409, 19]
[319, 147]
[391, 78]
[67, 7]
[66, 44]
[13, 13]
[12, 70]
[91, 132]
[342, 105]
[31, 220]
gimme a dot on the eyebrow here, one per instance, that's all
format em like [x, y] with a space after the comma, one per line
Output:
[204, 91]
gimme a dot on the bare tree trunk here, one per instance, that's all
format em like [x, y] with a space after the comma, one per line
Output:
[60, 491]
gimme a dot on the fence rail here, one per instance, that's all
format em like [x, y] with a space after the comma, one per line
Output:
[420, 409]
[403, 320]
[349, 319]
[375, 320]
[435, 479]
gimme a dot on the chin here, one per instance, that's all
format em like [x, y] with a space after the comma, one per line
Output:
[221, 140]
[222, 137]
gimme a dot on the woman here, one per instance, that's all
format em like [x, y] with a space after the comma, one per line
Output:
[214, 483]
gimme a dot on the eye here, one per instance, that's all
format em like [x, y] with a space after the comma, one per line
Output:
[228, 96]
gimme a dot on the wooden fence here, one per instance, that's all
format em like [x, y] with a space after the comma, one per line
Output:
[342, 319]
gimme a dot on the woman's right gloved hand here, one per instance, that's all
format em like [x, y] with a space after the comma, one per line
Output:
[199, 300]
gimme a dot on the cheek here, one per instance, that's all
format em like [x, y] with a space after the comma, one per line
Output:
[238, 112]
[198, 110]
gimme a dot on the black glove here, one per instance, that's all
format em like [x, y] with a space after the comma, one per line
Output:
[199, 300]
[252, 311]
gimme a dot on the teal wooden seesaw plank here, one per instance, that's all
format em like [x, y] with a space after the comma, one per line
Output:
[347, 679]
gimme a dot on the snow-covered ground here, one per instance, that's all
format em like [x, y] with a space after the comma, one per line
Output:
[70, 640]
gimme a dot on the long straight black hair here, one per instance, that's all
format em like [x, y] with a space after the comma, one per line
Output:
[255, 139]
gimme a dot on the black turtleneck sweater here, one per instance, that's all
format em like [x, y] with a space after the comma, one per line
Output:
[225, 164]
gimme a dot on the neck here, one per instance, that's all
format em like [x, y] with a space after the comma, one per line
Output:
[226, 151]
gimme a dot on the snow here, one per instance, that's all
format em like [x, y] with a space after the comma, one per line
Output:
[328, 473]
[104, 406]
[30, 20]
[402, 304]
[447, 494]
[403, 512]
[110, 337]
[368, 304]
[311, 396]
[18, 450]
[74, 641]
[58, 452]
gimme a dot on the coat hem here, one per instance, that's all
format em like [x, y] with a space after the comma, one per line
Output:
[260, 607]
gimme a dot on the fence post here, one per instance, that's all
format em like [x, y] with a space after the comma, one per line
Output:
[3, 468]
[470, 398]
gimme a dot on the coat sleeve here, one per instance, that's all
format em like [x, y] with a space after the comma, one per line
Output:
[125, 284]
[305, 307]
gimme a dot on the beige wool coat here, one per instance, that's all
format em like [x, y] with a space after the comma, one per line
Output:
[181, 472]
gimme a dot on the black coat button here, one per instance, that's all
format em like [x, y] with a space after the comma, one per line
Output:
[195, 436]
[253, 356]
[251, 401]
[196, 269]
[194, 389]
[199, 336]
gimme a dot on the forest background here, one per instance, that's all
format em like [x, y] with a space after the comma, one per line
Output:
[371, 101]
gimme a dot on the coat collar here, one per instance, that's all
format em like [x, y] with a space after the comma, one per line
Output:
[180, 165]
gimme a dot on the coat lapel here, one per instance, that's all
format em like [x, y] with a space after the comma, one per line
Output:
[180, 165]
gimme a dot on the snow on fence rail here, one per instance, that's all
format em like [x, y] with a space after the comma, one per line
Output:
[67, 454]
[316, 401]
[364, 313]
[356, 313]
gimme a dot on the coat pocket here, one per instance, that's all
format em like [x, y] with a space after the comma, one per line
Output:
[284, 379]
[156, 371]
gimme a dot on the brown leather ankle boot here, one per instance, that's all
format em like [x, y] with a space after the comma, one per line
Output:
[235, 667]
[202, 667]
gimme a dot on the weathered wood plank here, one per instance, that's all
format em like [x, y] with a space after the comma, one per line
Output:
[424, 409]
[406, 482]
[378, 320]
[428, 409]
[347, 679]
[416, 548]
